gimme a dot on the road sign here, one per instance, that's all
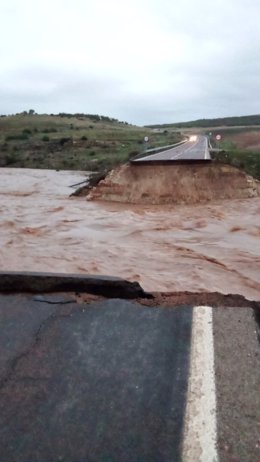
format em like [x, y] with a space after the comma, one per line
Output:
[218, 137]
[146, 139]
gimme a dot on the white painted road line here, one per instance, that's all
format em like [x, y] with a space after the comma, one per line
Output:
[207, 156]
[200, 430]
[184, 151]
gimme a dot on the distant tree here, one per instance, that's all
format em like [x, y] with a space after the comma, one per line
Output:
[31, 112]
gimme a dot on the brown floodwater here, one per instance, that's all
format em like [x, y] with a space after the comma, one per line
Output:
[214, 247]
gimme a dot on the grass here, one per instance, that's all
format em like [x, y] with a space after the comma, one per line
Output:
[74, 143]
[233, 154]
[246, 160]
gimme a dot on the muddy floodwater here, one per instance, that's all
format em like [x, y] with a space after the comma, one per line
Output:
[213, 247]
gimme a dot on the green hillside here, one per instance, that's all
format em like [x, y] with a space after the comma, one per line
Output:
[73, 141]
[224, 121]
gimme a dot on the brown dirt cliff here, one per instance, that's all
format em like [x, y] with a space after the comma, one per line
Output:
[175, 184]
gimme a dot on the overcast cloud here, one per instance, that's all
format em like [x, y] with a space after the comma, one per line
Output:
[143, 61]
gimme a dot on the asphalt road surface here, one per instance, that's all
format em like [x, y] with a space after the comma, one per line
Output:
[190, 150]
[114, 380]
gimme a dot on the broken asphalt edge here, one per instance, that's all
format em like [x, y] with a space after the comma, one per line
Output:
[15, 282]
[114, 287]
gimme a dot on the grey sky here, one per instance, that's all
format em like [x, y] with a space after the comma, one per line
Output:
[143, 61]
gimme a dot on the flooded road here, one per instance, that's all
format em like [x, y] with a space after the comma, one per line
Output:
[214, 247]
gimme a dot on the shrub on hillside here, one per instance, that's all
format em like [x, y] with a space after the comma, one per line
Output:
[27, 131]
[21, 136]
[4, 147]
[11, 158]
[64, 140]
[49, 130]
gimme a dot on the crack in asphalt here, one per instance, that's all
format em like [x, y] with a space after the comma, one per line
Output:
[44, 326]
[53, 302]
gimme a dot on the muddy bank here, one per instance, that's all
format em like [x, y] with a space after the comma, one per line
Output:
[202, 248]
[174, 184]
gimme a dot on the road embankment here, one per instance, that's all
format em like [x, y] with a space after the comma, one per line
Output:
[188, 183]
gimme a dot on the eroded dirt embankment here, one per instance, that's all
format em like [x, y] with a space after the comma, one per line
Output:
[175, 184]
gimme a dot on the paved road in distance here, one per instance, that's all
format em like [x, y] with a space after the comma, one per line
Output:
[194, 149]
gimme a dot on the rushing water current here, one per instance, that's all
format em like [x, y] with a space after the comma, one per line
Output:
[213, 247]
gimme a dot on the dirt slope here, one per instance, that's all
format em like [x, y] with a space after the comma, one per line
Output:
[175, 184]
